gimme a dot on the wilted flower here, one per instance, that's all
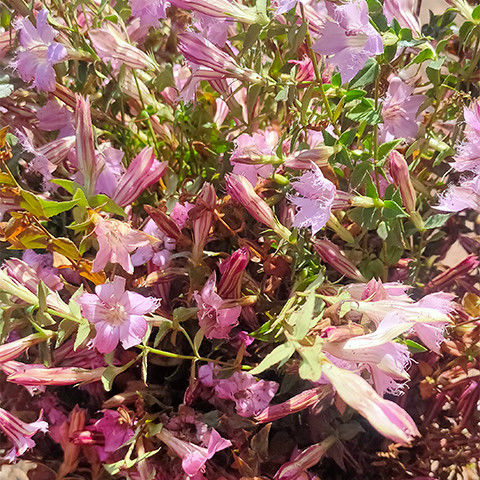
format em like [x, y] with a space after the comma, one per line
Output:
[40, 375]
[214, 315]
[314, 200]
[399, 111]
[118, 314]
[251, 396]
[220, 9]
[20, 433]
[348, 38]
[39, 53]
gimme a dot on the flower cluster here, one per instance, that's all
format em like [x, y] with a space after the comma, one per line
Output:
[240, 239]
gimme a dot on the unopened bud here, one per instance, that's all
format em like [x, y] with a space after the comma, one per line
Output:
[398, 169]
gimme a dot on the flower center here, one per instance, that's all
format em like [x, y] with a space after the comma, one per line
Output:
[356, 38]
[117, 314]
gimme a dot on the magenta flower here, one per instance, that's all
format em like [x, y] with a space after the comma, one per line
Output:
[118, 314]
[348, 38]
[214, 315]
[149, 11]
[116, 240]
[251, 396]
[113, 431]
[219, 9]
[403, 11]
[20, 433]
[39, 52]
[232, 269]
[313, 201]
[193, 456]
[399, 111]
[141, 173]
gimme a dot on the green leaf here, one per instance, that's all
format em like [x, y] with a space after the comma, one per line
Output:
[106, 204]
[414, 347]
[354, 95]
[302, 319]
[44, 208]
[69, 185]
[111, 373]
[366, 75]
[365, 111]
[84, 330]
[310, 367]
[476, 13]
[279, 354]
[393, 209]
[386, 148]
[436, 221]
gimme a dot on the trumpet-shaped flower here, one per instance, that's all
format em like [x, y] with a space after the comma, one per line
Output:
[20, 433]
[348, 38]
[313, 201]
[118, 314]
[403, 11]
[460, 197]
[214, 316]
[399, 111]
[39, 52]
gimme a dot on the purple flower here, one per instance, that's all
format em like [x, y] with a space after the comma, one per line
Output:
[251, 396]
[116, 240]
[461, 197]
[115, 433]
[399, 111]
[314, 200]
[149, 11]
[53, 116]
[403, 11]
[118, 315]
[349, 38]
[20, 433]
[468, 154]
[215, 316]
[39, 52]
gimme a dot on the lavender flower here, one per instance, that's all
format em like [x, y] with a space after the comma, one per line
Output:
[399, 111]
[403, 11]
[118, 315]
[348, 38]
[39, 52]
[313, 201]
[149, 11]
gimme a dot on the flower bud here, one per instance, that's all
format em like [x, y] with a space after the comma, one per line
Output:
[11, 350]
[202, 219]
[56, 376]
[449, 276]
[332, 255]
[232, 273]
[398, 169]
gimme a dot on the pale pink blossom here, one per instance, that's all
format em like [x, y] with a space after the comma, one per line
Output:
[118, 314]
[314, 199]
[461, 197]
[116, 241]
[149, 11]
[53, 116]
[215, 316]
[251, 396]
[403, 11]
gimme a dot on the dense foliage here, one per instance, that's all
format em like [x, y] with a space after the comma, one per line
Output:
[239, 239]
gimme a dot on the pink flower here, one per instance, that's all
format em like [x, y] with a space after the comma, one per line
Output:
[403, 11]
[20, 433]
[193, 456]
[149, 11]
[399, 111]
[253, 148]
[385, 416]
[314, 200]
[116, 240]
[214, 316]
[348, 37]
[141, 173]
[114, 433]
[232, 270]
[219, 9]
[53, 116]
[251, 396]
[460, 197]
[39, 52]
[118, 315]
[468, 152]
